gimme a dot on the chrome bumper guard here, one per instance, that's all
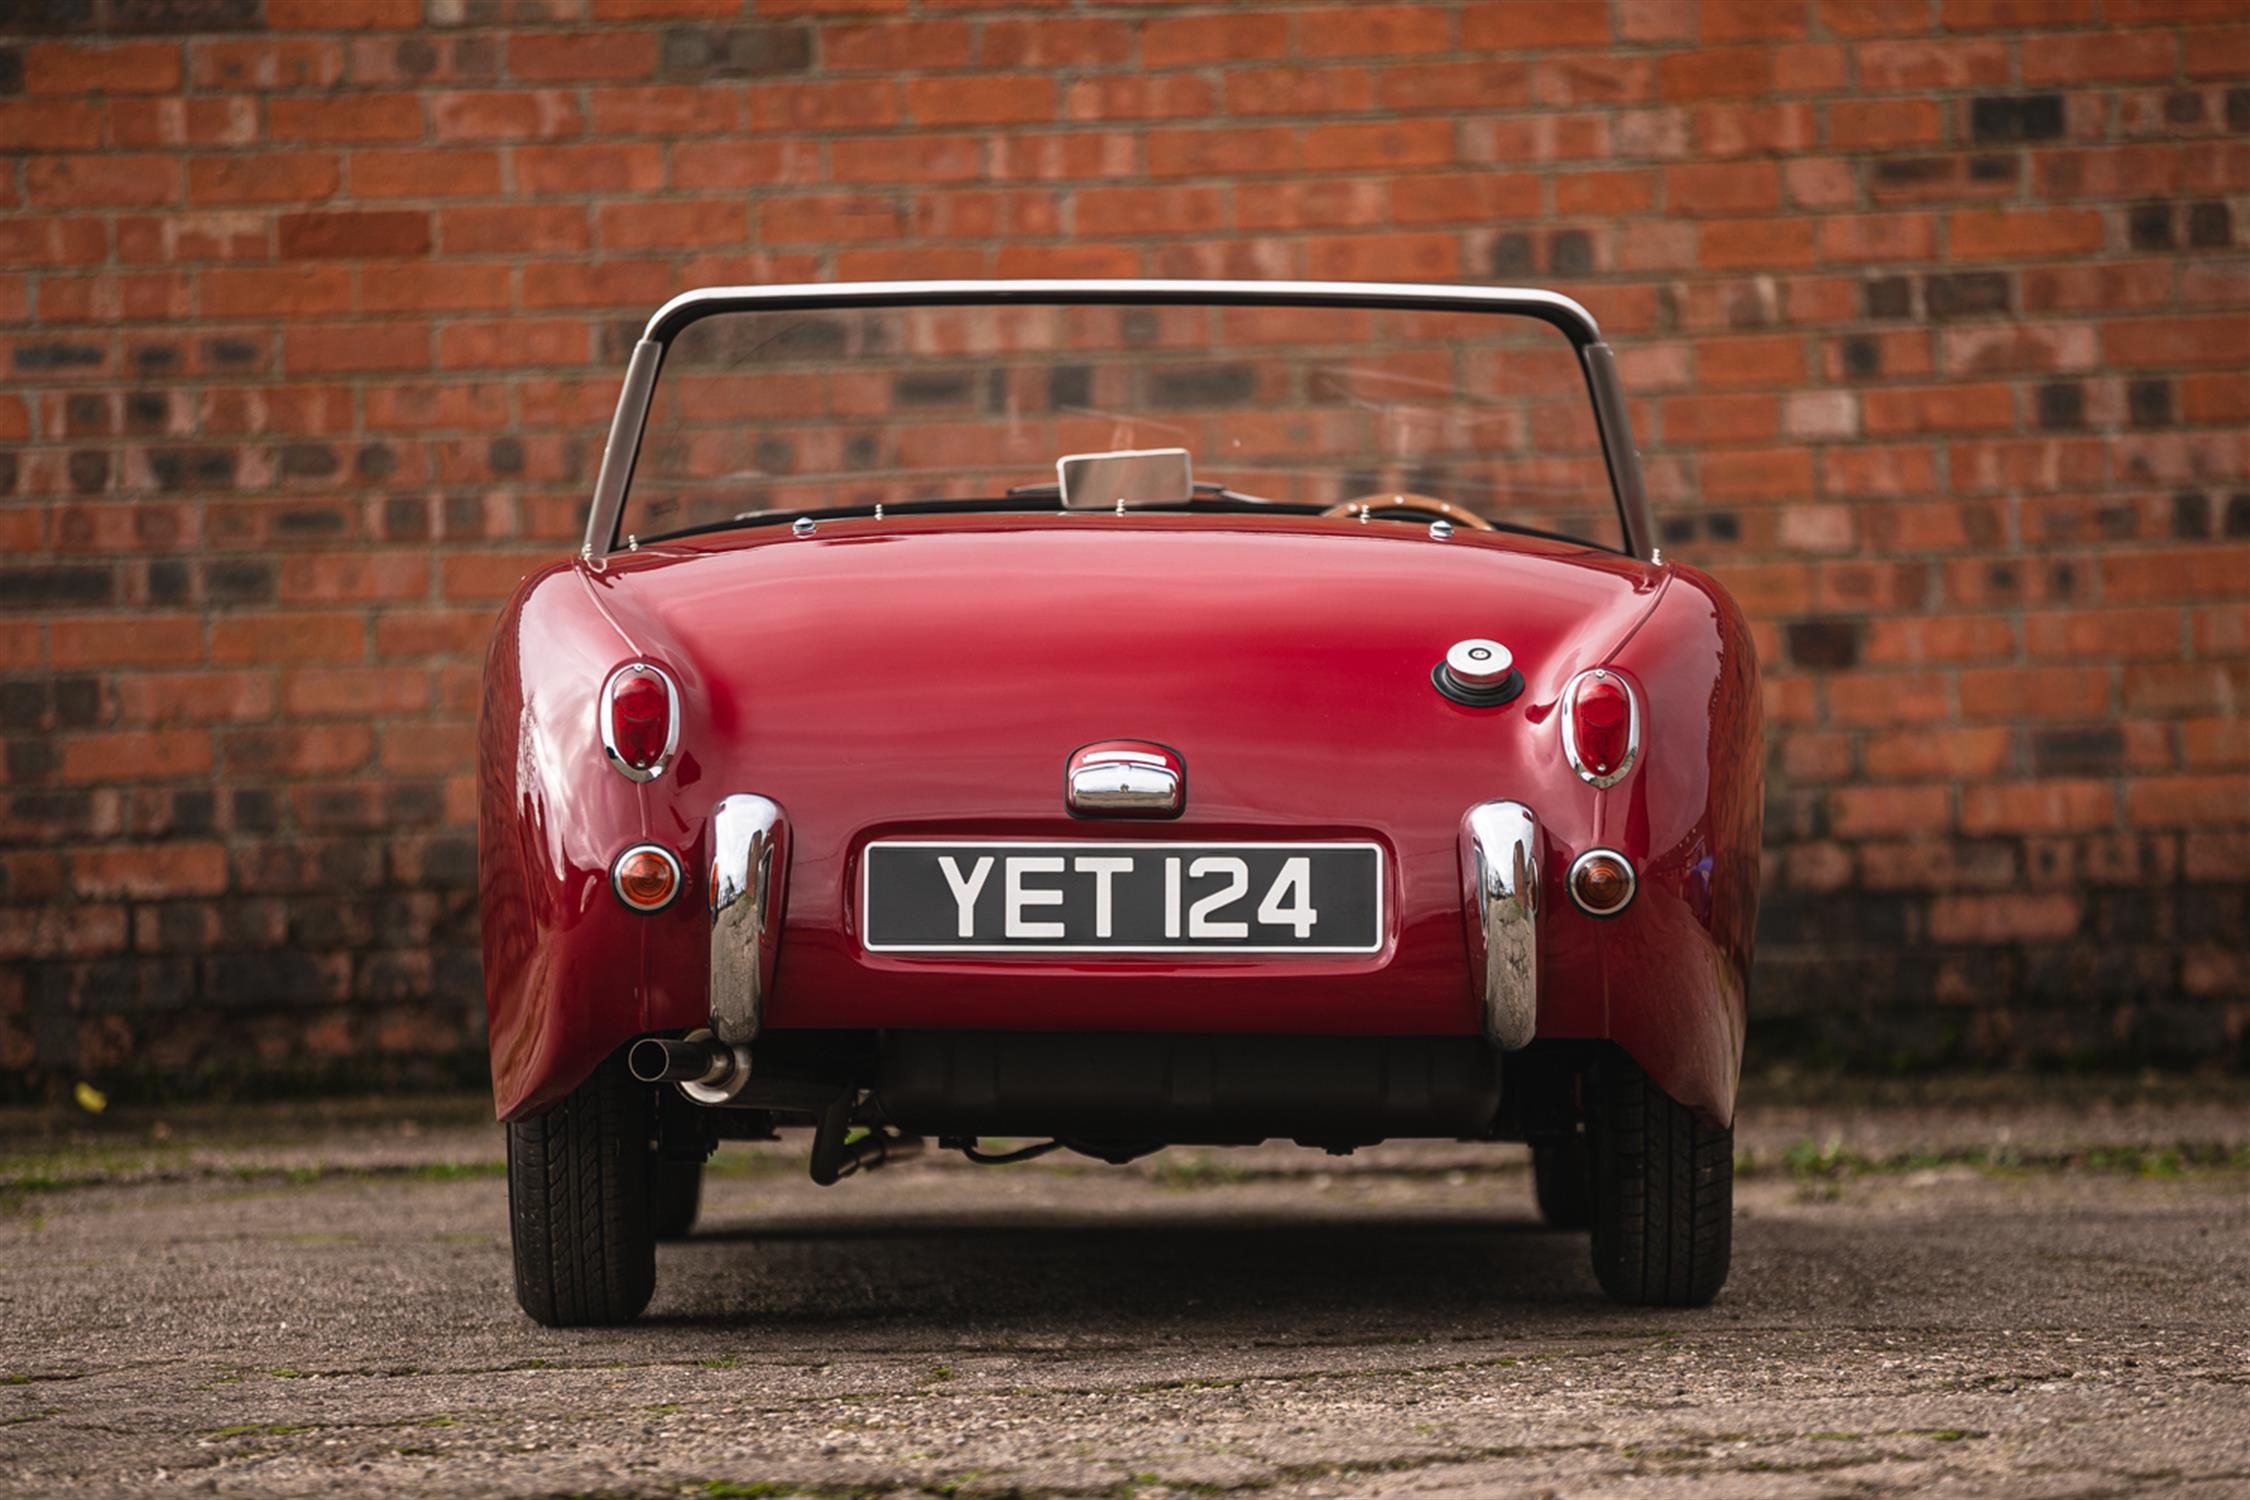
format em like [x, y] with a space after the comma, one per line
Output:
[749, 868]
[1500, 867]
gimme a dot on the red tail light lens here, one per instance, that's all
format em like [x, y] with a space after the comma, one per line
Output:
[1601, 726]
[640, 720]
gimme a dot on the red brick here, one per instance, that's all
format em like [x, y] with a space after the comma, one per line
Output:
[313, 348]
[1717, 188]
[2107, 56]
[897, 46]
[1376, 30]
[1533, 28]
[2000, 233]
[433, 286]
[1170, 42]
[578, 170]
[346, 118]
[1167, 97]
[2177, 341]
[1751, 20]
[669, 110]
[515, 341]
[2011, 918]
[1054, 42]
[295, 177]
[50, 124]
[505, 115]
[150, 871]
[1878, 124]
[1858, 812]
[1752, 244]
[425, 172]
[342, 15]
[360, 235]
[581, 56]
[672, 225]
[544, 228]
[1716, 73]
[123, 68]
[1932, 65]
[980, 99]
[109, 180]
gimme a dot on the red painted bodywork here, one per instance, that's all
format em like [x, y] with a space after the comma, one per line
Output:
[930, 676]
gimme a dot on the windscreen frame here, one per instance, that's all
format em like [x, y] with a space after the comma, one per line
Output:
[1596, 362]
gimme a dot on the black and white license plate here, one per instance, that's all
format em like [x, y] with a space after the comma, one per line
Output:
[941, 896]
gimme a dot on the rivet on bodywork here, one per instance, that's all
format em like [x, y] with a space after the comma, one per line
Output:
[804, 526]
[1441, 531]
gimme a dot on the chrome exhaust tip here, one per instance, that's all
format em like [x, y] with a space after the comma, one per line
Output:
[706, 1069]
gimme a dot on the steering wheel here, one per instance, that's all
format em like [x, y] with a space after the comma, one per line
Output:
[1390, 506]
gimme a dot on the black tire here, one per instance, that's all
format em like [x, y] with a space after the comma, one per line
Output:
[1663, 1192]
[679, 1196]
[581, 1207]
[1561, 1181]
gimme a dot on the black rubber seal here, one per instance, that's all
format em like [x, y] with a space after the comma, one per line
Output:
[1505, 691]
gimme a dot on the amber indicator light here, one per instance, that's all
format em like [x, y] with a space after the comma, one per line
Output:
[1601, 883]
[646, 878]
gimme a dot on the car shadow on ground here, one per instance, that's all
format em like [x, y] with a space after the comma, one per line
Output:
[1023, 1271]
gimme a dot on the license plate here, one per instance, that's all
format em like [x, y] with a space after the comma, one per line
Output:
[942, 896]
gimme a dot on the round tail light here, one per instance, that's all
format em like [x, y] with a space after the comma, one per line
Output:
[640, 720]
[1601, 726]
[646, 877]
[1602, 882]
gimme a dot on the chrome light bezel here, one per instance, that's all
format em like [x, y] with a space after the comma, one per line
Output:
[679, 878]
[617, 760]
[1569, 718]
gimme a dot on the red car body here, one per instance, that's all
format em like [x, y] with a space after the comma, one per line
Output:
[747, 776]
[929, 675]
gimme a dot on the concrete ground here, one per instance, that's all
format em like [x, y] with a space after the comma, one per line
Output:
[1999, 1291]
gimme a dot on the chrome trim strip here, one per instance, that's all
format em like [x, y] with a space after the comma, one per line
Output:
[1570, 728]
[621, 451]
[1599, 367]
[1500, 866]
[679, 878]
[1632, 884]
[749, 870]
[617, 762]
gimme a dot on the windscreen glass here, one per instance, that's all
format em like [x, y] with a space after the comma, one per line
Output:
[774, 414]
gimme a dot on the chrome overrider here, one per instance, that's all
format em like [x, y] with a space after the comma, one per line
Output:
[749, 863]
[1500, 865]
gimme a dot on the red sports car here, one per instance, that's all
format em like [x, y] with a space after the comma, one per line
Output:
[1099, 715]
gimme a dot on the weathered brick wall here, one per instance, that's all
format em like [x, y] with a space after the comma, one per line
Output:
[1937, 313]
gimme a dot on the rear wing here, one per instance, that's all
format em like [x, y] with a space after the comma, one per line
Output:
[1595, 360]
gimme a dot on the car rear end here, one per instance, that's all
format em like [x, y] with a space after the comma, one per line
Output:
[1114, 828]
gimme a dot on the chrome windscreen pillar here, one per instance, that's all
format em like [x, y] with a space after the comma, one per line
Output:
[1500, 867]
[749, 867]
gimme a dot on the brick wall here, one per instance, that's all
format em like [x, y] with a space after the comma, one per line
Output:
[1937, 314]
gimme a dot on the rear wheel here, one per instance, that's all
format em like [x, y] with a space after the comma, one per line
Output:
[1560, 1180]
[581, 1182]
[679, 1196]
[1662, 1192]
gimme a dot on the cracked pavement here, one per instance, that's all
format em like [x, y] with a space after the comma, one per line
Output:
[1950, 1298]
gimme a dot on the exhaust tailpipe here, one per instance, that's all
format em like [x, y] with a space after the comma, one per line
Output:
[706, 1069]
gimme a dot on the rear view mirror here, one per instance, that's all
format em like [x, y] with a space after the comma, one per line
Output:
[1130, 477]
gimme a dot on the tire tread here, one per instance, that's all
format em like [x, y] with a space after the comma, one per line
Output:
[579, 1205]
[1663, 1193]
